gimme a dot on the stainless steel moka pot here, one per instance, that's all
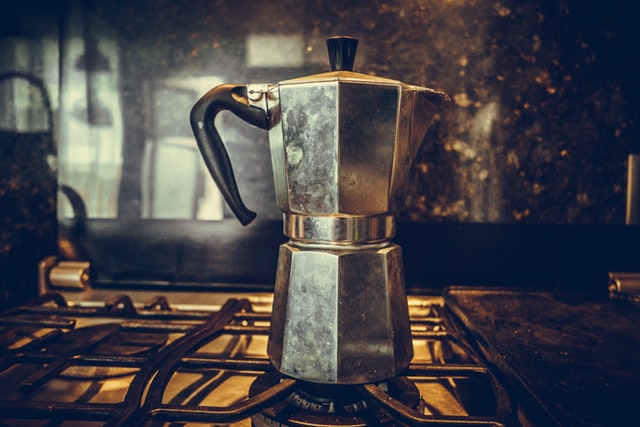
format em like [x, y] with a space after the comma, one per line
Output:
[341, 147]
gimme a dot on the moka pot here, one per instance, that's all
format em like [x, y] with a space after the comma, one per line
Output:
[341, 147]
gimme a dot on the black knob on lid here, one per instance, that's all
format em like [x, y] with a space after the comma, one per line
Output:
[342, 52]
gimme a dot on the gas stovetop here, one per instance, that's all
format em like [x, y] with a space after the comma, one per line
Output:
[125, 361]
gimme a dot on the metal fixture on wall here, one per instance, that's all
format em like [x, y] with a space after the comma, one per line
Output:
[633, 190]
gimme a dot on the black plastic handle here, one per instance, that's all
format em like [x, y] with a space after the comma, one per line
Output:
[231, 97]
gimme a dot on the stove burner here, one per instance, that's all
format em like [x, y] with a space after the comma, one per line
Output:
[329, 404]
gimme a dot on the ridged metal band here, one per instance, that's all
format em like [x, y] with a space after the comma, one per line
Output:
[339, 229]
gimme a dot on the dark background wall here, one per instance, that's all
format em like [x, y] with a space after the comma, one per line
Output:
[522, 177]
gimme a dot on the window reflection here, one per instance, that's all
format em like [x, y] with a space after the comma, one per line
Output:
[173, 179]
[90, 136]
[125, 143]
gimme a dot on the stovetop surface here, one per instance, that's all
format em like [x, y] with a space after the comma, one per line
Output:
[572, 358]
[109, 360]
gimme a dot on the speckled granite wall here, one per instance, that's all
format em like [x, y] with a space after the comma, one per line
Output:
[545, 94]
[544, 113]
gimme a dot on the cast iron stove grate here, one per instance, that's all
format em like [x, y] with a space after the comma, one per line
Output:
[119, 364]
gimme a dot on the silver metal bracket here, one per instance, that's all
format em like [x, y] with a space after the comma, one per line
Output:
[257, 93]
[625, 285]
[54, 274]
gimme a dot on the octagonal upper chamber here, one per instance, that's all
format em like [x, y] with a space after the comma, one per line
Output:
[342, 142]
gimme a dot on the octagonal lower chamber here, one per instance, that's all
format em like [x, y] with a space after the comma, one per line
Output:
[340, 315]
